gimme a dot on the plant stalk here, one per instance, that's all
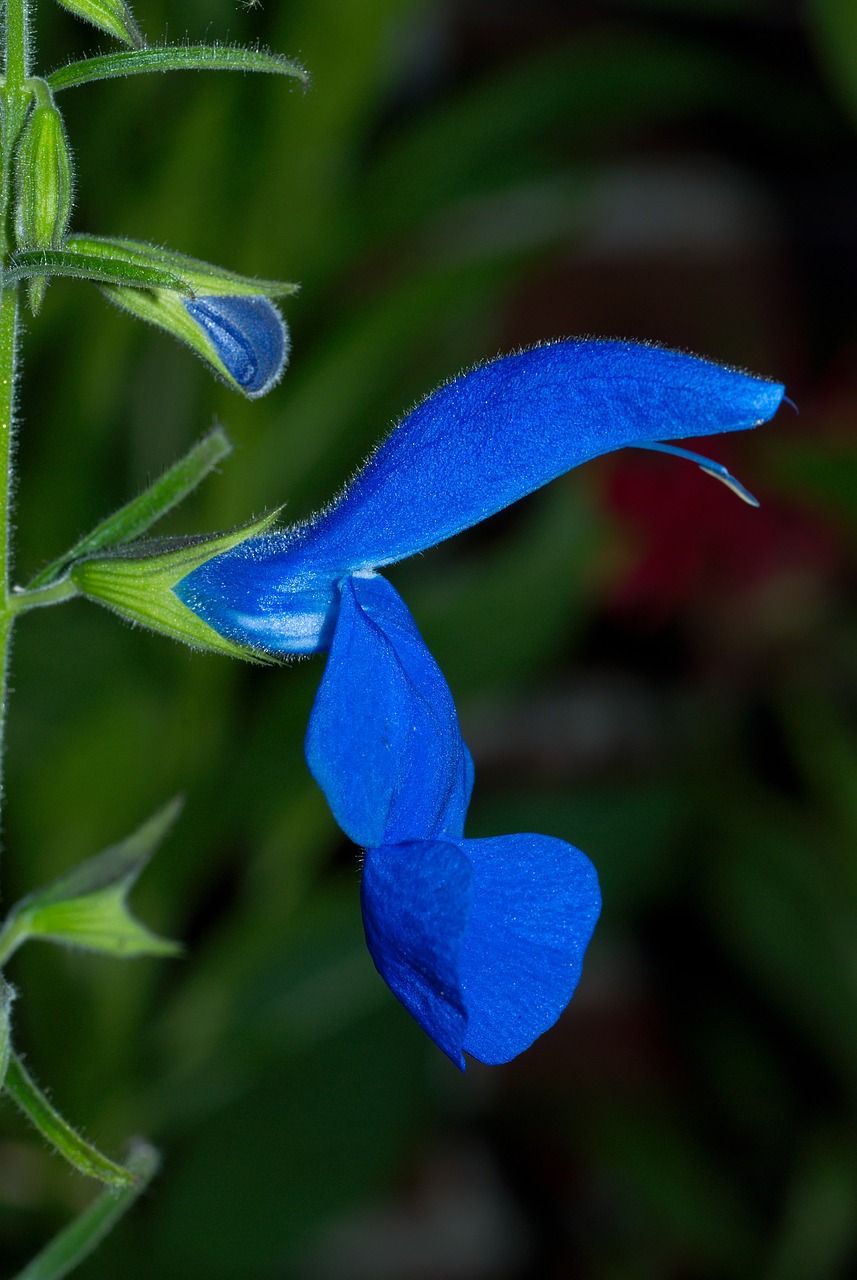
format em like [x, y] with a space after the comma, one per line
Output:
[8, 337]
[17, 41]
[15, 95]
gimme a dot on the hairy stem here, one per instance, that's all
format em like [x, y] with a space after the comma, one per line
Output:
[8, 335]
[17, 39]
[79, 1239]
[16, 95]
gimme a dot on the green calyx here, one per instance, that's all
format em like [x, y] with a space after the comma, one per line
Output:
[137, 582]
[43, 179]
[166, 311]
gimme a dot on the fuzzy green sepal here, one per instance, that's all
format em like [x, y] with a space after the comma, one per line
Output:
[137, 582]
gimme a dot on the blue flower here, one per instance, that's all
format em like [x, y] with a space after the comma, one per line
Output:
[481, 940]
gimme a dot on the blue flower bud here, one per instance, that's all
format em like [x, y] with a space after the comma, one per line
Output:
[249, 336]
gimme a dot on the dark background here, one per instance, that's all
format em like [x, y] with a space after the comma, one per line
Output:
[643, 666]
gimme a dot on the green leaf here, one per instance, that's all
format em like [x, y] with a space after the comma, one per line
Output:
[82, 1155]
[139, 515]
[103, 268]
[137, 583]
[112, 16]
[187, 57]
[88, 907]
[195, 277]
[82, 1236]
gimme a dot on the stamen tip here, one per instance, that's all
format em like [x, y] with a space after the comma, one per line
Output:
[714, 469]
[719, 472]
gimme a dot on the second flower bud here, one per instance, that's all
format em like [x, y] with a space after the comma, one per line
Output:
[43, 181]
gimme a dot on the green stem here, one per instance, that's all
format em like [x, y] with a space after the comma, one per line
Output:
[79, 1239]
[16, 95]
[41, 1112]
[8, 337]
[17, 44]
[21, 601]
[13, 933]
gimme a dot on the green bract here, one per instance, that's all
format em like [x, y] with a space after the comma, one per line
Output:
[99, 268]
[137, 516]
[88, 908]
[192, 275]
[176, 57]
[133, 264]
[137, 582]
[112, 16]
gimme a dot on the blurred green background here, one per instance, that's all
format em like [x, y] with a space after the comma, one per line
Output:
[642, 665]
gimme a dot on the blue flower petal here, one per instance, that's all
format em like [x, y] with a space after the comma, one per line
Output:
[249, 336]
[416, 902]
[535, 904]
[502, 430]
[481, 940]
[383, 741]
[476, 445]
